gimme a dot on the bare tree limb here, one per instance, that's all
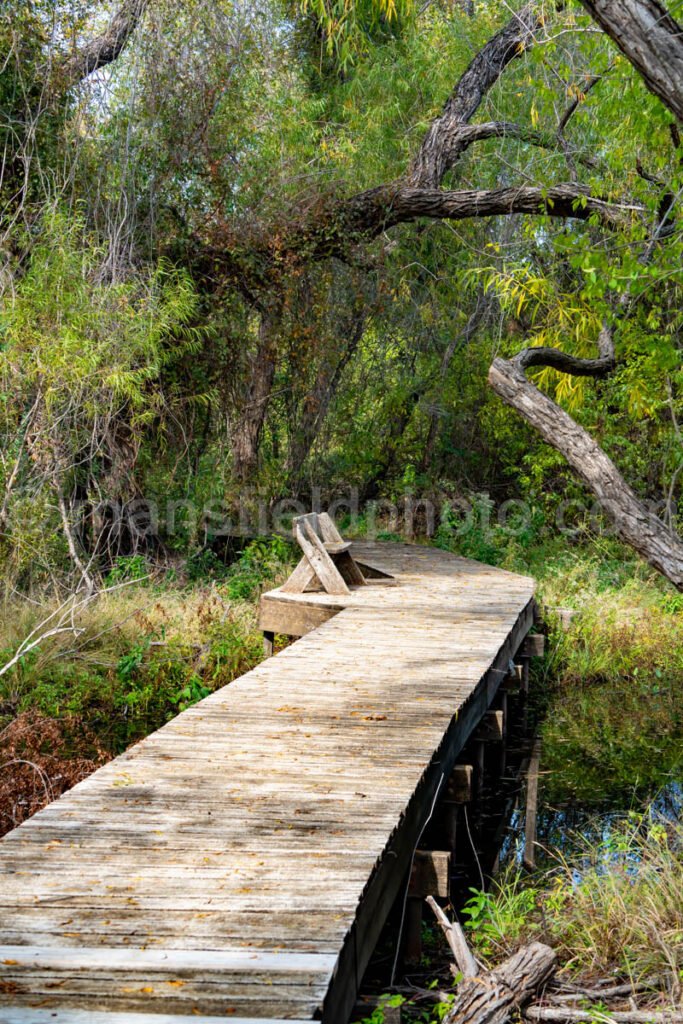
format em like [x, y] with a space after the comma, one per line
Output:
[455, 937]
[445, 141]
[71, 543]
[557, 1015]
[634, 523]
[578, 99]
[60, 621]
[565, 363]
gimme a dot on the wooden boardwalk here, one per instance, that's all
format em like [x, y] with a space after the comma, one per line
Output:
[241, 861]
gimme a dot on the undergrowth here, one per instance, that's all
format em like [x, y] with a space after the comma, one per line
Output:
[614, 909]
[138, 654]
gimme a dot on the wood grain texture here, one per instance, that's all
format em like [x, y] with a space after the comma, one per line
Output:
[241, 860]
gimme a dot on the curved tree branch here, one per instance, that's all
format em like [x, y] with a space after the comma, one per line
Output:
[105, 48]
[445, 141]
[565, 363]
[633, 522]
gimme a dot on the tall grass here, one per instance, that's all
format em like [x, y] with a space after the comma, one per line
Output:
[120, 666]
[614, 909]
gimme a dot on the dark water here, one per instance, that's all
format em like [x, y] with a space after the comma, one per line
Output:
[607, 753]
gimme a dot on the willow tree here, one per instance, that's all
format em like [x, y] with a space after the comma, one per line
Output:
[264, 175]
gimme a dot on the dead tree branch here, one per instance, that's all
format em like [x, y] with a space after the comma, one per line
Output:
[492, 998]
[455, 937]
[562, 1015]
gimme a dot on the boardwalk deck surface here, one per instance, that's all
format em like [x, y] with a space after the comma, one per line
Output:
[240, 861]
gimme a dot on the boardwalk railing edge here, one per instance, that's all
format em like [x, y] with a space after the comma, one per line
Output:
[390, 874]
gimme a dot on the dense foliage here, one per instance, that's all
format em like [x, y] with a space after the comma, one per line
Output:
[163, 338]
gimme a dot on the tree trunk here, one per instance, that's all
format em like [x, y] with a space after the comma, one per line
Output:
[246, 433]
[651, 39]
[107, 47]
[634, 524]
[317, 402]
[492, 998]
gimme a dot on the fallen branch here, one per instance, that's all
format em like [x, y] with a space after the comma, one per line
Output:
[568, 993]
[566, 1015]
[60, 621]
[455, 937]
[492, 997]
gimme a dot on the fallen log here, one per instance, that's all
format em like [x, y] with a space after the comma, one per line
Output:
[566, 1015]
[492, 997]
[455, 937]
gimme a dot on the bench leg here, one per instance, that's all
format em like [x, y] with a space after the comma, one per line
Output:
[268, 641]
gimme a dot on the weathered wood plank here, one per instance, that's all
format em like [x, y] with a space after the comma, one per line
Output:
[430, 874]
[25, 1015]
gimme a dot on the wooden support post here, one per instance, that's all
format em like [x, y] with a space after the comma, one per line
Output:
[512, 680]
[503, 697]
[479, 768]
[429, 876]
[565, 617]
[504, 710]
[458, 792]
[412, 941]
[522, 670]
[531, 807]
[392, 1014]
[451, 811]
[491, 728]
[268, 641]
[430, 873]
[459, 785]
[533, 646]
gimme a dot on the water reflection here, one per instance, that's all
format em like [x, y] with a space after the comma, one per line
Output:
[607, 752]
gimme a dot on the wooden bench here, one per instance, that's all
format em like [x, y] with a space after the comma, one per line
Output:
[327, 563]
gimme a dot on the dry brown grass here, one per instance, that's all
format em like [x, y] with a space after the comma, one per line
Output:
[39, 761]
